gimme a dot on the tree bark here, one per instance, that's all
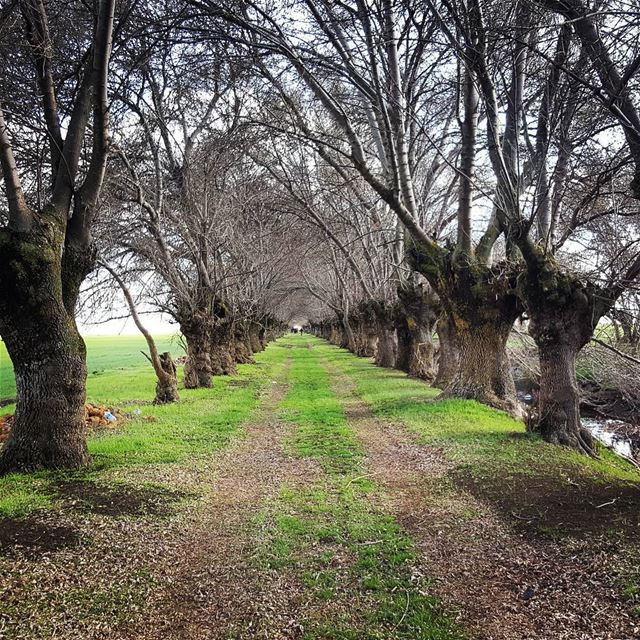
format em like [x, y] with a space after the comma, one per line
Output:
[563, 313]
[484, 371]
[420, 309]
[48, 356]
[197, 332]
[448, 354]
[254, 338]
[167, 385]
[242, 350]
[366, 340]
[222, 360]
[557, 417]
[403, 354]
[481, 306]
[385, 331]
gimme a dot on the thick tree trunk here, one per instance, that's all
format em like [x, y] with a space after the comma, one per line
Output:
[563, 313]
[197, 369]
[481, 306]
[419, 308]
[448, 353]
[242, 346]
[167, 385]
[349, 339]
[405, 343]
[254, 338]
[366, 341]
[557, 417]
[484, 370]
[386, 351]
[48, 356]
[222, 360]
[422, 354]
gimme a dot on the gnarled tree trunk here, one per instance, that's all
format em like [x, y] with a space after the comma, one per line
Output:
[480, 305]
[484, 371]
[366, 340]
[196, 329]
[254, 338]
[563, 313]
[48, 356]
[404, 346]
[448, 353]
[222, 359]
[242, 346]
[385, 331]
[557, 416]
[420, 309]
[167, 385]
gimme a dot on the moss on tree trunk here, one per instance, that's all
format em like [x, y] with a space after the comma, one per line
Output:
[47, 352]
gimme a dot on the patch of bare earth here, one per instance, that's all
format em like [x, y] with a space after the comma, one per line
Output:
[212, 587]
[505, 585]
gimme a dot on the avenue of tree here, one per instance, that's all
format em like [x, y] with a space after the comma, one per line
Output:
[409, 179]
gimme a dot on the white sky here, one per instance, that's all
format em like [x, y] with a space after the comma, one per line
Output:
[156, 323]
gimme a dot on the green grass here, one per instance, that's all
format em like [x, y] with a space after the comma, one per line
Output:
[475, 436]
[203, 421]
[104, 354]
[349, 554]
[322, 431]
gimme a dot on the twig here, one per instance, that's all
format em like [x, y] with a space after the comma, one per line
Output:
[622, 354]
[604, 504]
[366, 475]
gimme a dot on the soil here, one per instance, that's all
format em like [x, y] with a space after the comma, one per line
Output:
[537, 505]
[90, 497]
[214, 588]
[34, 537]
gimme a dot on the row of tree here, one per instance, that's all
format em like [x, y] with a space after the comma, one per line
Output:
[396, 168]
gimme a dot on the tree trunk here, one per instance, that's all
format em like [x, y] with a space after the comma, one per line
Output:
[422, 354]
[448, 353]
[48, 356]
[197, 369]
[484, 370]
[419, 307]
[222, 360]
[349, 341]
[254, 338]
[386, 353]
[405, 343]
[557, 417]
[385, 332]
[563, 313]
[167, 385]
[366, 340]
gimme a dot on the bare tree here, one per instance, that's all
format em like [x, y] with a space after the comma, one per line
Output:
[46, 248]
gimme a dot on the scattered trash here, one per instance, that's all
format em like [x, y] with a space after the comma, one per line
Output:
[528, 594]
[137, 412]
[96, 416]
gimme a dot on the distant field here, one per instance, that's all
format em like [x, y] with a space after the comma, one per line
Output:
[104, 353]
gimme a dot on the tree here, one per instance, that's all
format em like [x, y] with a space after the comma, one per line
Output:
[46, 248]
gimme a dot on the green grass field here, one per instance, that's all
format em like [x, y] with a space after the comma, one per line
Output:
[105, 355]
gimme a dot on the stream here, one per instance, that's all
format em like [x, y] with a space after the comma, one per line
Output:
[621, 437]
